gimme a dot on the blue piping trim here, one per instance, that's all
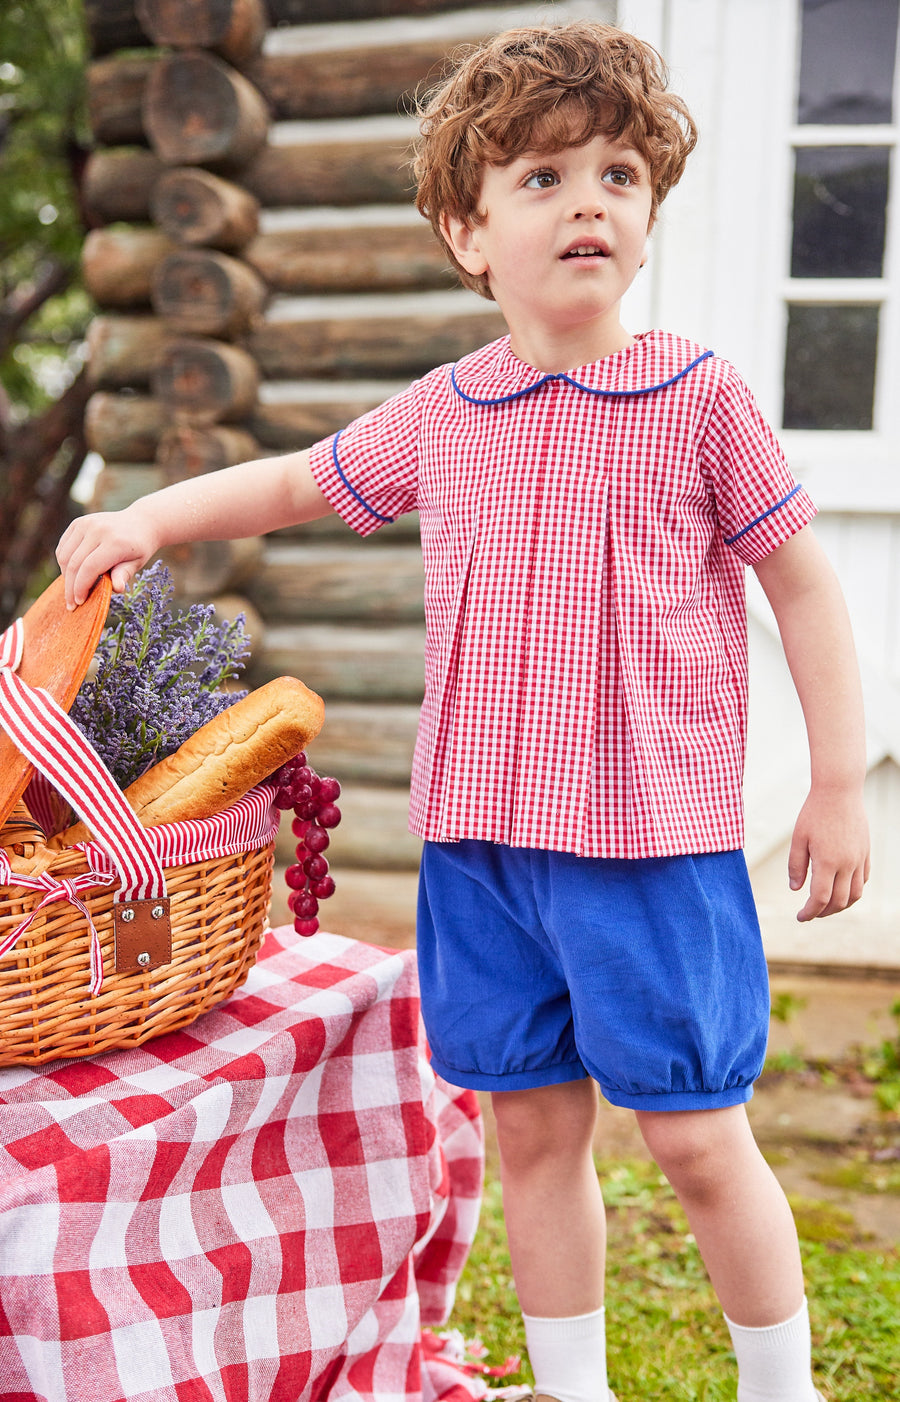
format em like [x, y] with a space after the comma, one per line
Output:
[607, 393]
[352, 490]
[771, 511]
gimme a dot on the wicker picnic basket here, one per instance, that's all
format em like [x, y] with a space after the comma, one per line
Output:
[110, 943]
[219, 914]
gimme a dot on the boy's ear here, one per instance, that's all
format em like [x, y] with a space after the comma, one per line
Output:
[463, 242]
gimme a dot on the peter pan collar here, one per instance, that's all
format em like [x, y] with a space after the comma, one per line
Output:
[494, 375]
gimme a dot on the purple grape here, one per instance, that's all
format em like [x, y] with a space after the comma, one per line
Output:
[315, 810]
[305, 905]
[295, 877]
[316, 838]
[285, 774]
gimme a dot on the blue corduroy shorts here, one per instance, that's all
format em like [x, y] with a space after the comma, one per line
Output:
[542, 967]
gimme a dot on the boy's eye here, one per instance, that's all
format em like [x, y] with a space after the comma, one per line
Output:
[541, 180]
[621, 175]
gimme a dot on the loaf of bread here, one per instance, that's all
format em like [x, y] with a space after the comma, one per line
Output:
[225, 758]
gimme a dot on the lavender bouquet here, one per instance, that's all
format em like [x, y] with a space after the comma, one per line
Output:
[156, 675]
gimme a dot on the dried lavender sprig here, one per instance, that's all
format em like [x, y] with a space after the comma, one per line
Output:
[156, 676]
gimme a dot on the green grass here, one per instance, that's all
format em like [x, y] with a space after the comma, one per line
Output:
[877, 1067]
[859, 1174]
[667, 1339]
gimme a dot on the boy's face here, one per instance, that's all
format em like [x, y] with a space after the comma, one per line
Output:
[563, 239]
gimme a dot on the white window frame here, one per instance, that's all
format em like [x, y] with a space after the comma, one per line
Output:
[720, 261]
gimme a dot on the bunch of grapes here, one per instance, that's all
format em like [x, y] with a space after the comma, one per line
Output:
[298, 786]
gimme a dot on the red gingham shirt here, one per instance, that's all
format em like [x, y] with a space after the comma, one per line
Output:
[584, 538]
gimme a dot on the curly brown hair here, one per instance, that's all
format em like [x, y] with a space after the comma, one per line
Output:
[541, 89]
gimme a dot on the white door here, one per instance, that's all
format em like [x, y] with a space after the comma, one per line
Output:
[780, 249]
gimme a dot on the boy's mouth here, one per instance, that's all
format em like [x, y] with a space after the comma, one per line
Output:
[587, 250]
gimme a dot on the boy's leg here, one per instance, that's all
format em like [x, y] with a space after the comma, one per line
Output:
[497, 1011]
[745, 1232]
[557, 1234]
[552, 1201]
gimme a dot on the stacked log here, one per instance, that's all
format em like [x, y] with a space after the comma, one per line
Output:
[230, 286]
[174, 129]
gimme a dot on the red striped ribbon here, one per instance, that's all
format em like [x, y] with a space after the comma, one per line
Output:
[43, 732]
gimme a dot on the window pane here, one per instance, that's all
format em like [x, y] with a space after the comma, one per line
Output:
[829, 376]
[840, 204]
[847, 51]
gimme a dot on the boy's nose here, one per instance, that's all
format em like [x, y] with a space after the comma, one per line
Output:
[589, 204]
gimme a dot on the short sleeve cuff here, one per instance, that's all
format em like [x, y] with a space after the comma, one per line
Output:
[773, 527]
[349, 504]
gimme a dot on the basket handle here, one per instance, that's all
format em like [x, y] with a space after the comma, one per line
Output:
[56, 747]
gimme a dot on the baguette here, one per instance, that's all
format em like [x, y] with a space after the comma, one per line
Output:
[225, 758]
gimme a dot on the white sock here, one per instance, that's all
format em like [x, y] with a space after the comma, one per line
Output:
[774, 1362]
[568, 1356]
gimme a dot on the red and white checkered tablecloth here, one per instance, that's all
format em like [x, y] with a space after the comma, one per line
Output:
[265, 1207]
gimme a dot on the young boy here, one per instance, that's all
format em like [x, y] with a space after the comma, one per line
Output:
[588, 502]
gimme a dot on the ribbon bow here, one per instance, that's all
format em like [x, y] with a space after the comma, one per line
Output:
[64, 888]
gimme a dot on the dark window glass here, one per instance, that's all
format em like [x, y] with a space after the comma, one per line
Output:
[829, 374]
[840, 205]
[847, 52]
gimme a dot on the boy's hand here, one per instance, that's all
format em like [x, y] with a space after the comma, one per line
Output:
[114, 542]
[832, 837]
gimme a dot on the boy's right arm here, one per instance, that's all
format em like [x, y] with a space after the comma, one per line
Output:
[249, 499]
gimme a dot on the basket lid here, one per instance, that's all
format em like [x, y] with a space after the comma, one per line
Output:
[58, 646]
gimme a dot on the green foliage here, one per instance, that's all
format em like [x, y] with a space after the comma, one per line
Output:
[787, 1061]
[43, 138]
[879, 1066]
[667, 1338]
[785, 1005]
[862, 1173]
[882, 1065]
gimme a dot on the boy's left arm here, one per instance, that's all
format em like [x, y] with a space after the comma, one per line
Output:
[831, 835]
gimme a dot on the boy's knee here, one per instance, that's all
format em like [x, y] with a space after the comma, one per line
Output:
[545, 1122]
[694, 1148]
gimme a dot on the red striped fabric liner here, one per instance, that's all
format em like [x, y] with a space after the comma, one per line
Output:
[45, 805]
[250, 823]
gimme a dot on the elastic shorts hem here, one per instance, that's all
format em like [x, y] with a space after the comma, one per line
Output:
[510, 1080]
[680, 1099]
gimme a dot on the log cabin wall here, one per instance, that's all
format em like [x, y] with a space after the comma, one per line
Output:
[262, 277]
